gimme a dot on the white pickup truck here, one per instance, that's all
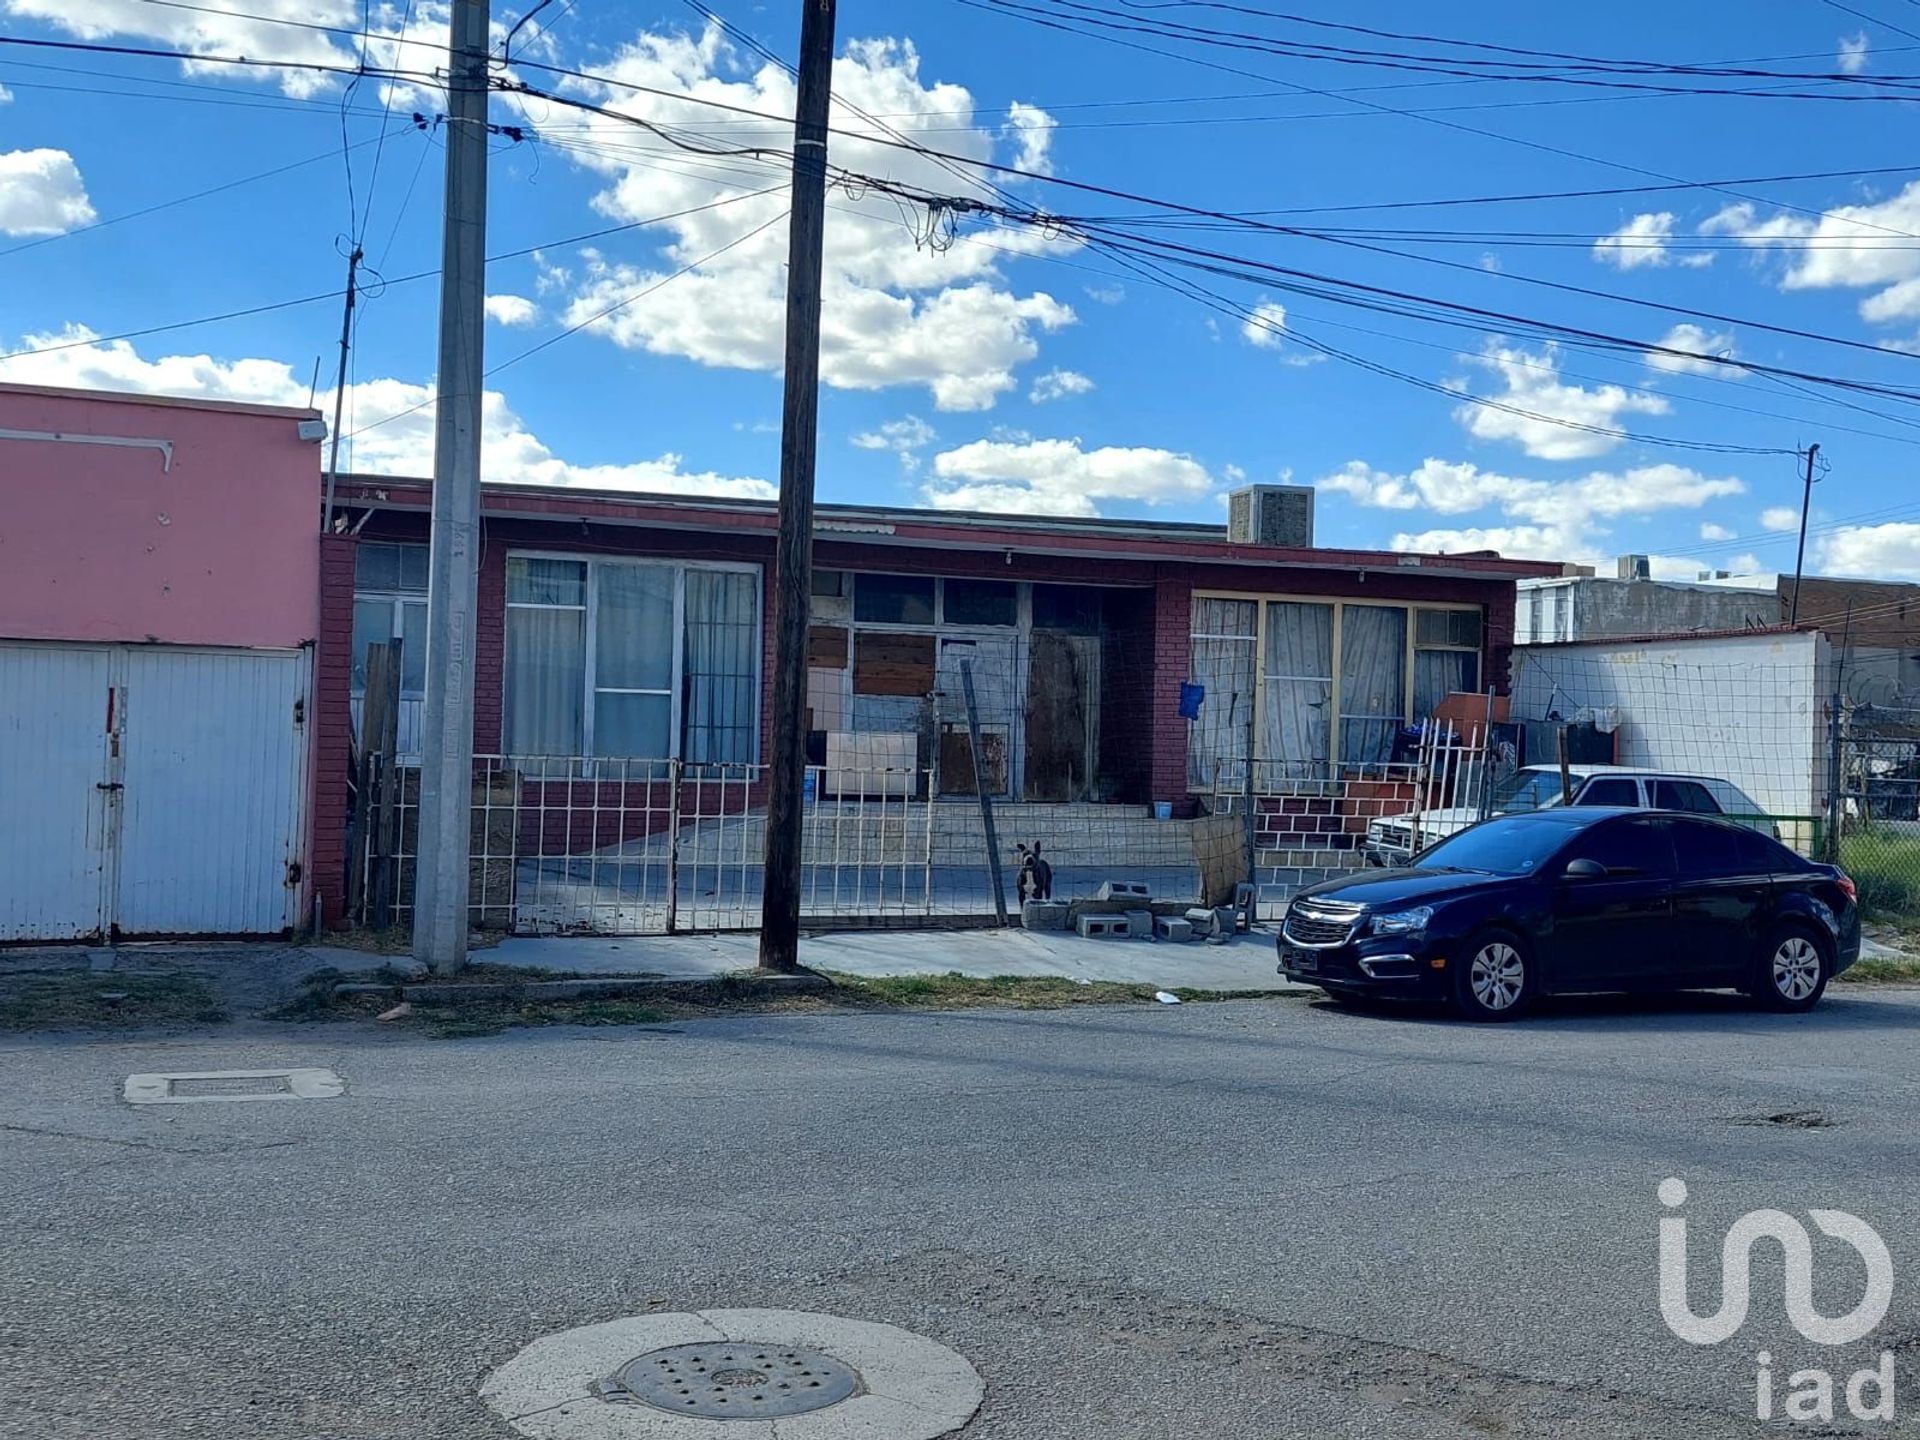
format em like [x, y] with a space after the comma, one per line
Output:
[1395, 839]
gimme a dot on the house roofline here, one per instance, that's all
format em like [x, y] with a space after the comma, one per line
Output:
[1667, 637]
[169, 402]
[929, 529]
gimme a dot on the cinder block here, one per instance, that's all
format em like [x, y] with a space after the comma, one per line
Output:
[1102, 927]
[1168, 927]
[1140, 924]
[1122, 890]
[1043, 915]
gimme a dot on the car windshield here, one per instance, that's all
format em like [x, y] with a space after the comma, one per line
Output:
[1526, 790]
[1510, 846]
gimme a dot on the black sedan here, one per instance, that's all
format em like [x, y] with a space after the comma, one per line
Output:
[1579, 900]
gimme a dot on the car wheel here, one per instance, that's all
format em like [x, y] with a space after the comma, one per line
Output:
[1793, 969]
[1495, 978]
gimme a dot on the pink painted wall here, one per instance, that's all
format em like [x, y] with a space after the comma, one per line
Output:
[111, 543]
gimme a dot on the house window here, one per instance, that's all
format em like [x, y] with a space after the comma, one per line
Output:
[1333, 683]
[1225, 634]
[631, 660]
[1446, 656]
[390, 603]
[979, 602]
[893, 599]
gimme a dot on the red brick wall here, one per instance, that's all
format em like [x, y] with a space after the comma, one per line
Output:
[1172, 654]
[332, 728]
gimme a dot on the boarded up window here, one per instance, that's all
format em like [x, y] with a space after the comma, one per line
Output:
[827, 647]
[892, 664]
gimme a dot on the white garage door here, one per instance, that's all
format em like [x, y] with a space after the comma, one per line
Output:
[150, 790]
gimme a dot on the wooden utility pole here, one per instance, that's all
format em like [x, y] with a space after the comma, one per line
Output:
[453, 568]
[799, 423]
[1800, 557]
[340, 384]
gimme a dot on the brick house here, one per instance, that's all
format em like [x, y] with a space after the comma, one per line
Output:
[621, 634]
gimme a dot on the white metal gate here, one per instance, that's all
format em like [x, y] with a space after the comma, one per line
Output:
[149, 790]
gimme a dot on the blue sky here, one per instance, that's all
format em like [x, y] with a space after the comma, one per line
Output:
[1018, 367]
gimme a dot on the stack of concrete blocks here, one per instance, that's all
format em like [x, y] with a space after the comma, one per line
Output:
[1043, 915]
[1122, 890]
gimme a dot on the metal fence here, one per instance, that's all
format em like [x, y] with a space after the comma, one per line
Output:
[1877, 830]
[568, 845]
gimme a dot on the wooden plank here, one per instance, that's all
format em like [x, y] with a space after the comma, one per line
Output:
[889, 664]
[827, 647]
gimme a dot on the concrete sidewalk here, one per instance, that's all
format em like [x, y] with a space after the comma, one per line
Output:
[1247, 963]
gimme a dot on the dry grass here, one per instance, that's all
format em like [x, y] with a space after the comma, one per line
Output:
[89, 1000]
[729, 995]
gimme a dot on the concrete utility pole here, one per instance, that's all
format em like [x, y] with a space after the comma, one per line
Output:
[1800, 557]
[799, 420]
[446, 767]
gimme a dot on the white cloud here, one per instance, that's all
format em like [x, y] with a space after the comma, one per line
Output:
[1557, 519]
[1548, 419]
[1854, 50]
[897, 310]
[1031, 129]
[1641, 242]
[1266, 326]
[1695, 340]
[1860, 247]
[1106, 294]
[1713, 530]
[1780, 518]
[402, 446]
[41, 193]
[511, 310]
[1058, 385]
[251, 30]
[905, 437]
[1234, 475]
[1057, 477]
[1877, 552]
[6, 96]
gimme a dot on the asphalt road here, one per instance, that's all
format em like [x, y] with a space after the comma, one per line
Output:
[1257, 1220]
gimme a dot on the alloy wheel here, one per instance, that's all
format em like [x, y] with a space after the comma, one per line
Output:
[1497, 976]
[1796, 968]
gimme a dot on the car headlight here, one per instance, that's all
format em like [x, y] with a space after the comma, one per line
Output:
[1402, 922]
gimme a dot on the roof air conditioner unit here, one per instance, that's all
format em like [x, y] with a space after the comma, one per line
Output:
[1280, 515]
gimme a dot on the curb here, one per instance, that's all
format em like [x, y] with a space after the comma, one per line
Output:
[746, 985]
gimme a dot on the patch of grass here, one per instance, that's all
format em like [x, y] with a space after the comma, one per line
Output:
[1883, 972]
[105, 1000]
[1886, 867]
[730, 995]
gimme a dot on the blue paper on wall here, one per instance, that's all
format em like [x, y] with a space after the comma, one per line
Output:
[1190, 697]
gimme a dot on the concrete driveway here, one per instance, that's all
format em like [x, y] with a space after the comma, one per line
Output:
[1266, 1219]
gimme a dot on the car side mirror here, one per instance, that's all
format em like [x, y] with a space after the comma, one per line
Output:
[1585, 869]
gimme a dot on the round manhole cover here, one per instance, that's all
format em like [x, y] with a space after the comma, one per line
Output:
[734, 1381]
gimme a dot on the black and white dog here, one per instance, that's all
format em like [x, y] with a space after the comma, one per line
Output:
[1036, 875]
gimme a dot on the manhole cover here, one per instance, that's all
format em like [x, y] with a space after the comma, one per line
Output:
[733, 1381]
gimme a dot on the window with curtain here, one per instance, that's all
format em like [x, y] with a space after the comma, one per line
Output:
[722, 670]
[1446, 656]
[1224, 636]
[1373, 681]
[631, 660]
[1296, 739]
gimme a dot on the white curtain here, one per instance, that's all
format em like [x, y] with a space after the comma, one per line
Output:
[1439, 673]
[633, 661]
[1373, 680]
[1297, 726]
[722, 686]
[546, 656]
[1222, 662]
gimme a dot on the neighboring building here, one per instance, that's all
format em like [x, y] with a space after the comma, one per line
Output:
[622, 627]
[1596, 607]
[159, 603]
[1873, 625]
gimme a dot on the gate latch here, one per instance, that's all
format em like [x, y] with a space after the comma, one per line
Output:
[108, 785]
